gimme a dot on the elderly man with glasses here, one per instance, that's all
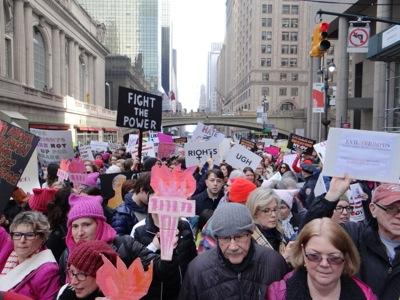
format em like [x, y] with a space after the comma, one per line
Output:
[238, 268]
[377, 240]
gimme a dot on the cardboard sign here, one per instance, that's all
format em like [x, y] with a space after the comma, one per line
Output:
[109, 185]
[249, 145]
[30, 179]
[320, 148]
[239, 157]
[147, 150]
[164, 138]
[16, 148]
[273, 150]
[139, 110]
[197, 153]
[180, 140]
[54, 145]
[355, 196]
[297, 142]
[364, 155]
[133, 138]
[98, 146]
[166, 150]
[86, 152]
[206, 133]
[289, 159]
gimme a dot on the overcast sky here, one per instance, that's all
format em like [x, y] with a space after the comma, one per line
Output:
[196, 24]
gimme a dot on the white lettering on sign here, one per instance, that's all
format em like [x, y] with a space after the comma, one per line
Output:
[145, 101]
[139, 123]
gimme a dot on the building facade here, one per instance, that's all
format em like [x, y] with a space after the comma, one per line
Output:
[213, 100]
[52, 67]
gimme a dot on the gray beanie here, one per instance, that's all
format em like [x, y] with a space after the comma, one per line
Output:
[231, 219]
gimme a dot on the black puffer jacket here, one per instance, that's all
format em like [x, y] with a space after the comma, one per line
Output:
[376, 270]
[168, 287]
[211, 277]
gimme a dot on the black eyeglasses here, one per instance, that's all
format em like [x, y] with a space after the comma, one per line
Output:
[28, 235]
[78, 275]
[237, 238]
[390, 210]
[331, 259]
[348, 208]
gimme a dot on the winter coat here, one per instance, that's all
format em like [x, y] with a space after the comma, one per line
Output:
[210, 276]
[68, 293]
[294, 287]
[40, 284]
[306, 193]
[203, 201]
[376, 270]
[124, 217]
[168, 288]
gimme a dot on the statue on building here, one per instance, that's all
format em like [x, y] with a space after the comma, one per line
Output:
[101, 32]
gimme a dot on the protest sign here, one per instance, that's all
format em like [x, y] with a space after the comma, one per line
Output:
[30, 179]
[224, 147]
[297, 142]
[206, 133]
[320, 187]
[267, 142]
[164, 138]
[139, 110]
[320, 148]
[171, 188]
[289, 159]
[364, 155]
[249, 145]
[273, 150]
[239, 157]
[16, 148]
[180, 140]
[147, 150]
[166, 150]
[86, 152]
[356, 199]
[197, 153]
[99, 146]
[54, 145]
[111, 188]
[133, 138]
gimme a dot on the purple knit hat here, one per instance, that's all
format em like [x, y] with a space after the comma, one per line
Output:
[91, 179]
[84, 206]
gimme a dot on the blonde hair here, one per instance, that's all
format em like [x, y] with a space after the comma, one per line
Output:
[336, 235]
[261, 198]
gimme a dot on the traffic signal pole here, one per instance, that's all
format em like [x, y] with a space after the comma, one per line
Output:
[342, 89]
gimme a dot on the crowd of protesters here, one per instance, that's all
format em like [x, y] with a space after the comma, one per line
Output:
[253, 237]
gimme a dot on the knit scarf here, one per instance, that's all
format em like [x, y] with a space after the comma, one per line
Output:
[287, 227]
[297, 287]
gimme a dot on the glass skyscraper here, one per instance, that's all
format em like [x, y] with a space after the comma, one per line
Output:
[133, 27]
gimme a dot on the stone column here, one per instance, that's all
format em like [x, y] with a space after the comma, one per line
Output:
[30, 68]
[91, 78]
[342, 92]
[77, 74]
[19, 42]
[71, 68]
[2, 41]
[63, 88]
[378, 115]
[56, 60]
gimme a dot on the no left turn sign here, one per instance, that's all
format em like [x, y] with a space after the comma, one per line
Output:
[357, 39]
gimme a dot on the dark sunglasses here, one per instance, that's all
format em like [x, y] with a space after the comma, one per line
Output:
[317, 258]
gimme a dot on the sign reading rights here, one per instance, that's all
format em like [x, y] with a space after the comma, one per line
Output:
[139, 110]
[198, 153]
[297, 142]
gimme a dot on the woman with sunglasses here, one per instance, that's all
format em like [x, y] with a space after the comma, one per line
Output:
[325, 261]
[27, 267]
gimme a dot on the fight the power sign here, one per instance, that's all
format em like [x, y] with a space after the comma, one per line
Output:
[139, 110]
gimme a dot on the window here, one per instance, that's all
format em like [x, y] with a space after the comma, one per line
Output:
[283, 76]
[293, 49]
[263, 35]
[284, 62]
[294, 91]
[8, 58]
[269, 62]
[294, 23]
[287, 106]
[269, 35]
[266, 22]
[265, 91]
[39, 58]
[285, 23]
[295, 77]
[285, 9]
[295, 10]
[269, 49]
[282, 91]
[265, 76]
[267, 8]
[293, 62]
[293, 36]
[285, 49]
[263, 62]
[263, 48]
[285, 36]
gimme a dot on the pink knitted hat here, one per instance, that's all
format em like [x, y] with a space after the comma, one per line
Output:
[91, 179]
[41, 198]
[84, 206]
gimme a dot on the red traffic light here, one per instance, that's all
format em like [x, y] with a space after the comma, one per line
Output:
[324, 26]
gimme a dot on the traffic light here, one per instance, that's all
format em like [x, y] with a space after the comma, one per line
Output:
[319, 43]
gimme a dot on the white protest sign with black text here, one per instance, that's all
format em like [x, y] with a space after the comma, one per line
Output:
[147, 150]
[30, 179]
[139, 110]
[320, 148]
[86, 152]
[132, 142]
[239, 157]
[98, 146]
[197, 153]
[206, 133]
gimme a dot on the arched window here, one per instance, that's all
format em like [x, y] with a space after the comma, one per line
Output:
[287, 106]
[9, 33]
[39, 58]
[82, 79]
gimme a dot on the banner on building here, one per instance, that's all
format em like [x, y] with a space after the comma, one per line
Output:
[318, 98]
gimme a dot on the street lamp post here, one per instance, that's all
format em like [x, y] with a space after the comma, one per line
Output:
[326, 122]
[265, 105]
[108, 103]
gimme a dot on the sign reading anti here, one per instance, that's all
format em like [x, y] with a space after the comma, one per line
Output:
[139, 110]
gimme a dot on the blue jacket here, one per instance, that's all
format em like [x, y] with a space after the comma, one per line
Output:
[124, 217]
